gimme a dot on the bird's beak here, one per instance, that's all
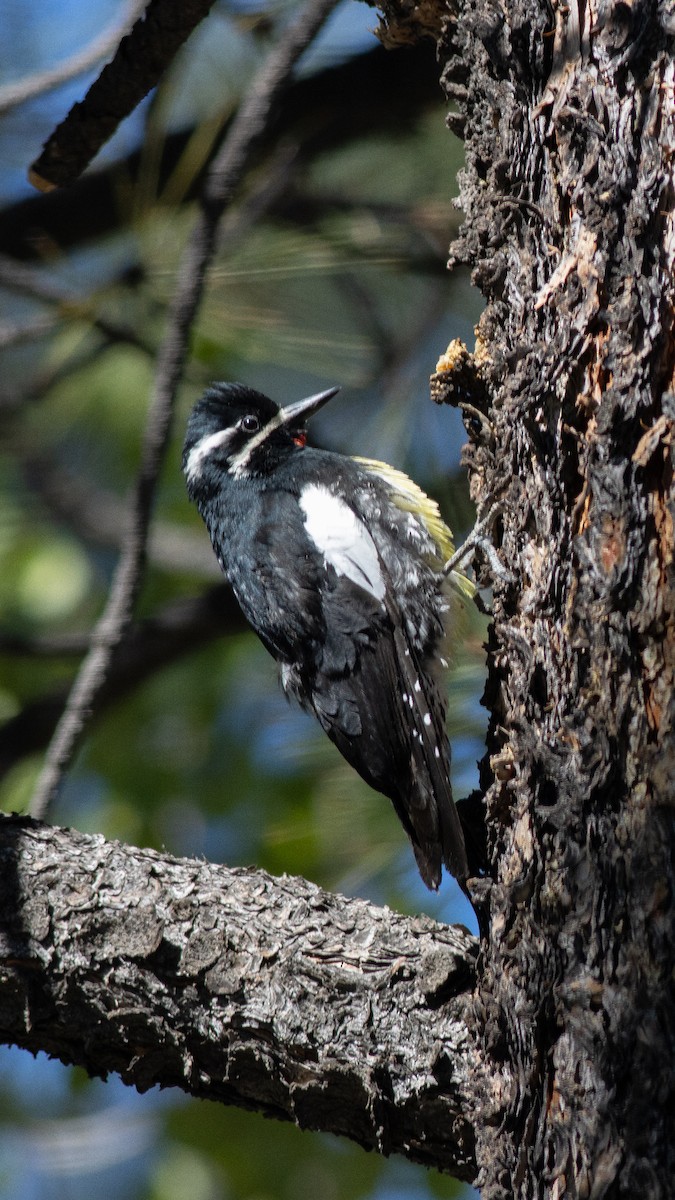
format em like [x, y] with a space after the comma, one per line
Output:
[298, 413]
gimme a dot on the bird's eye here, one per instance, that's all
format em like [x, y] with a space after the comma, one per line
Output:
[250, 423]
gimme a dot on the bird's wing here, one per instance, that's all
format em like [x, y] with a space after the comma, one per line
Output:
[387, 718]
[433, 810]
[409, 498]
[294, 558]
[275, 576]
[320, 597]
[369, 688]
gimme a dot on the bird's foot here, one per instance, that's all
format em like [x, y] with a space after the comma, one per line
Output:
[479, 541]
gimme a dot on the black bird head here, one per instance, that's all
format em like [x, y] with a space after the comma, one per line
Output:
[241, 432]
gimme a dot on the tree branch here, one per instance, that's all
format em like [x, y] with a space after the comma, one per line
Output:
[265, 993]
[151, 645]
[21, 90]
[98, 516]
[373, 92]
[142, 57]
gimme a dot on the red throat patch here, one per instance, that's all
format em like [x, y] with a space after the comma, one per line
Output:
[300, 438]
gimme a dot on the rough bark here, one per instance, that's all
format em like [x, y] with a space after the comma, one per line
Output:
[265, 993]
[568, 197]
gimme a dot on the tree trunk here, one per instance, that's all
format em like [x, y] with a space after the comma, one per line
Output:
[568, 199]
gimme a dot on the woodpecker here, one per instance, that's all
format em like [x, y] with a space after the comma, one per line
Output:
[337, 563]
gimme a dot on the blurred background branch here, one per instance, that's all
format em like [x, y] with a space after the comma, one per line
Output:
[141, 58]
[152, 645]
[12, 94]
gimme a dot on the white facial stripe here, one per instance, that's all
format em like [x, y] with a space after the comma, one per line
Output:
[342, 538]
[202, 449]
[240, 461]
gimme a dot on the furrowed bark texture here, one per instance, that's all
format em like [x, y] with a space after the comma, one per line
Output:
[568, 198]
[265, 993]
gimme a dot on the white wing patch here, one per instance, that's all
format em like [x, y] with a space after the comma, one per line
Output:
[342, 538]
[202, 449]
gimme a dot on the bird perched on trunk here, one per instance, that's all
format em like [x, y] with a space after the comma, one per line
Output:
[337, 564]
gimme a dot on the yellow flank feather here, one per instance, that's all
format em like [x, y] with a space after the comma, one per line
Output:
[409, 497]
